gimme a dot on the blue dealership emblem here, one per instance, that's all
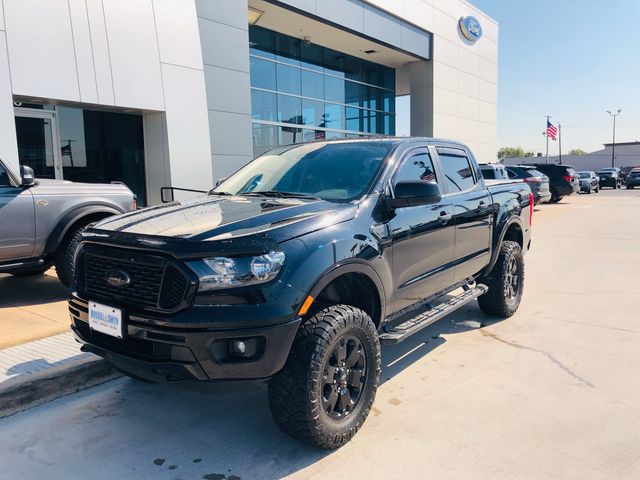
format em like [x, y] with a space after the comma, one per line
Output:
[470, 28]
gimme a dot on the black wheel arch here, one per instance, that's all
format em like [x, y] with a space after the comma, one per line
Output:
[511, 230]
[78, 216]
[354, 267]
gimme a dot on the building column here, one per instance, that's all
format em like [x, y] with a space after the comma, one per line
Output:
[421, 84]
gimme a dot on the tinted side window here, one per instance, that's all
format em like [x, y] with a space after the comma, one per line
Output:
[4, 177]
[457, 171]
[417, 167]
[512, 174]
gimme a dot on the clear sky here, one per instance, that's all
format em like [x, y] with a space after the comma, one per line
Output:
[572, 59]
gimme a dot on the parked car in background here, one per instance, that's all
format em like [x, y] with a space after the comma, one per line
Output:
[563, 179]
[589, 181]
[609, 178]
[41, 220]
[538, 181]
[494, 171]
[633, 180]
[622, 176]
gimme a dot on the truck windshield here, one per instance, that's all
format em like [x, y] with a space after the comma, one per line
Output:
[338, 172]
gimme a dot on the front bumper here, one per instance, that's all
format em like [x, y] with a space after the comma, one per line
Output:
[165, 354]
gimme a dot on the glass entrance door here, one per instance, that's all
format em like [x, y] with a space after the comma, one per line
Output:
[38, 145]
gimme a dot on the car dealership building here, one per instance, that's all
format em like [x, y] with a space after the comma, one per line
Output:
[182, 92]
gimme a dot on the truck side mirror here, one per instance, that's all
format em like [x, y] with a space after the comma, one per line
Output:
[26, 175]
[411, 193]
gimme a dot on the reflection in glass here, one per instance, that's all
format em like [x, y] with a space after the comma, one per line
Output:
[334, 116]
[288, 79]
[265, 137]
[289, 109]
[313, 112]
[312, 85]
[263, 74]
[334, 89]
[35, 145]
[263, 105]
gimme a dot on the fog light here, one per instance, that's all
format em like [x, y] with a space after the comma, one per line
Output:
[238, 347]
[243, 347]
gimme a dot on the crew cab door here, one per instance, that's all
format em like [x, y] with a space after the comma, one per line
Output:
[422, 237]
[17, 219]
[472, 211]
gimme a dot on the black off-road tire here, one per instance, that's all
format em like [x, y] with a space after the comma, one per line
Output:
[300, 394]
[555, 199]
[503, 297]
[64, 257]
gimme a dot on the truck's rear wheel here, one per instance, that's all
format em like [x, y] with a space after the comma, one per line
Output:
[505, 282]
[66, 252]
[327, 386]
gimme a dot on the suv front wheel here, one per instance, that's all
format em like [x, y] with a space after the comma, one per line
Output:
[325, 391]
[64, 257]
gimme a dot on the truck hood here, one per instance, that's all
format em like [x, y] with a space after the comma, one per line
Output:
[214, 218]
[44, 187]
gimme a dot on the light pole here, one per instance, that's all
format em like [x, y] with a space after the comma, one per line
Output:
[613, 145]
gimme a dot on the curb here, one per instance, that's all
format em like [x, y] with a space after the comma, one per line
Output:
[28, 391]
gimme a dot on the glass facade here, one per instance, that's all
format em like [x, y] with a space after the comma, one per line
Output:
[303, 92]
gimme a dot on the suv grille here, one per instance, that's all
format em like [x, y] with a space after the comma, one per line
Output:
[149, 281]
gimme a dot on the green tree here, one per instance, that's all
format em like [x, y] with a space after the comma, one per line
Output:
[577, 151]
[513, 152]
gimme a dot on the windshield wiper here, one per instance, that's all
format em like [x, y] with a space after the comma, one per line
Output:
[211, 192]
[279, 194]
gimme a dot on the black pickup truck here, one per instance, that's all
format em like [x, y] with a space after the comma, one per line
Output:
[297, 267]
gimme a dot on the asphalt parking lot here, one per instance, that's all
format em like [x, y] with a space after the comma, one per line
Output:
[553, 392]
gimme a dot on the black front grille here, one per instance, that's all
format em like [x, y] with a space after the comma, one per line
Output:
[154, 281]
[174, 288]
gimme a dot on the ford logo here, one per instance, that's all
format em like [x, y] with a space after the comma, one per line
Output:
[470, 28]
[117, 278]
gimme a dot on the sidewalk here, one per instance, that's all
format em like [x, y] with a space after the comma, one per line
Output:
[31, 308]
[39, 355]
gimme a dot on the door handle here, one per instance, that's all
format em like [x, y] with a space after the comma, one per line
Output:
[445, 216]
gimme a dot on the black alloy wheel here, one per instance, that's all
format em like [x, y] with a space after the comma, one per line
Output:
[512, 280]
[505, 282]
[344, 377]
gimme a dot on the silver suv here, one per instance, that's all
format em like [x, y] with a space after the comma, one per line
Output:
[41, 220]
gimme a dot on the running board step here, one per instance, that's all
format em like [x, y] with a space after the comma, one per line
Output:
[407, 328]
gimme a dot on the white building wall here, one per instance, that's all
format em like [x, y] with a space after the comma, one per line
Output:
[142, 55]
[455, 95]
[224, 37]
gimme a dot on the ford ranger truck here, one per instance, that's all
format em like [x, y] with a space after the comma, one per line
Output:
[41, 220]
[298, 267]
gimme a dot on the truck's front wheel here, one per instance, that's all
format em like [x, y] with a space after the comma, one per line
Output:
[327, 386]
[505, 282]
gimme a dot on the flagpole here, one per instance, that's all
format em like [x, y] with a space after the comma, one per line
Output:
[559, 143]
[547, 136]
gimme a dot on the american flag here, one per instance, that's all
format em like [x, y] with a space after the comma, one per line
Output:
[552, 131]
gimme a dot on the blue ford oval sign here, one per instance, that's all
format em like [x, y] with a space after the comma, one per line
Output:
[470, 28]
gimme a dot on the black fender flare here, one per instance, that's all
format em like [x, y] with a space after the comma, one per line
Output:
[496, 247]
[351, 266]
[70, 218]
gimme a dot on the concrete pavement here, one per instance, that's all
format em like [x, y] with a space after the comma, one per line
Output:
[553, 392]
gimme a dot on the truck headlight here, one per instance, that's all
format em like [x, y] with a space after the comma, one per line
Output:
[223, 272]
